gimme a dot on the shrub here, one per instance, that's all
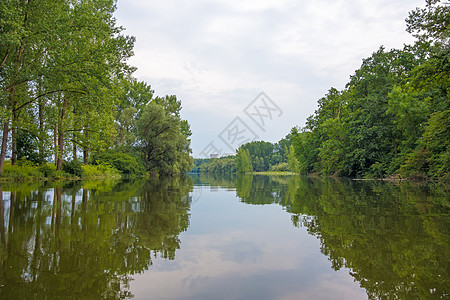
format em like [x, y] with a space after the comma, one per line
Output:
[416, 165]
[48, 170]
[281, 167]
[23, 172]
[73, 167]
[123, 162]
[101, 170]
[377, 170]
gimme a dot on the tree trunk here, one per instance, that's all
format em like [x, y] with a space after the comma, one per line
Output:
[61, 135]
[4, 145]
[84, 199]
[14, 87]
[41, 132]
[86, 142]
[55, 141]
[12, 205]
[36, 258]
[14, 145]
[86, 150]
[74, 150]
[74, 144]
[2, 217]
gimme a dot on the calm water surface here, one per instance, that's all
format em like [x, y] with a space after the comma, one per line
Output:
[235, 237]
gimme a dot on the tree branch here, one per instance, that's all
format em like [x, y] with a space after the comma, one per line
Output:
[45, 94]
[4, 59]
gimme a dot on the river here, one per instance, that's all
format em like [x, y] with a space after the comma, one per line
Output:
[227, 237]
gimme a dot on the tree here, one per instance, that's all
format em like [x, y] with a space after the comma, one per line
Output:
[66, 59]
[292, 160]
[243, 161]
[134, 95]
[430, 24]
[164, 146]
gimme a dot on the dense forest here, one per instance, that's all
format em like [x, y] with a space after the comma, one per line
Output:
[392, 118]
[256, 156]
[68, 96]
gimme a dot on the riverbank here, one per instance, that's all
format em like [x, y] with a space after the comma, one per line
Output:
[284, 173]
[47, 172]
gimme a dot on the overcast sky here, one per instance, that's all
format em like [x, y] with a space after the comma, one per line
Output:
[218, 56]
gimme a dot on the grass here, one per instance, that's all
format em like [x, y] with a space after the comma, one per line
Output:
[274, 173]
[26, 171]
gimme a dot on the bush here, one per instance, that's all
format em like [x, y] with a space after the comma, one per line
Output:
[101, 170]
[377, 170]
[126, 164]
[416, 165]
[73, 167]
[23, 172]
[281, 167]
[48, 170]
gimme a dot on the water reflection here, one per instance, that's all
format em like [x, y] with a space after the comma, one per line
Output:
[89, 239]
[393, 237]
[86, 240]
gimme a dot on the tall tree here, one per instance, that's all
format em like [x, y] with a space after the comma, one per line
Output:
[68, 56]
[243, 161]
[165, 147]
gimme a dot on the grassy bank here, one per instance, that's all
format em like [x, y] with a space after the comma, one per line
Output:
[281, 173]
[27, 172]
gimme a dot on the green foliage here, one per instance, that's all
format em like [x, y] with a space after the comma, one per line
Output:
[430, 24]
[243, 161]
[27, 148]
[102, 170]
[198, 162]
[134, 95]
[392, 117]
[292, 160]
[24, 172]
[432, 158]
[306, 150]
[60, 61]
[48, 170]
[222, 165]
[126, 164]
[73, 167]
[163, 138]
[281, 167]
[261, 154]
[66, 86]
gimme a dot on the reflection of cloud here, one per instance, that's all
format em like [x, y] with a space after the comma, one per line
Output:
[238, 251]
[241, 251]
[329, 287]
[238, 265]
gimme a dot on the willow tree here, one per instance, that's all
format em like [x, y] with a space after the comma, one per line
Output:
[163, 138]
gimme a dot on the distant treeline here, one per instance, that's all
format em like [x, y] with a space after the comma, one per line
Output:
[257, 156]
[67, 95]
[393, 116]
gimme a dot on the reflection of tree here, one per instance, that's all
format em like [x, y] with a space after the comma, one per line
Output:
[72, 242]
[382, 233]
[394, 238]
[224, 181]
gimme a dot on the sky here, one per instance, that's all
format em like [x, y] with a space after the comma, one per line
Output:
[254, 69]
